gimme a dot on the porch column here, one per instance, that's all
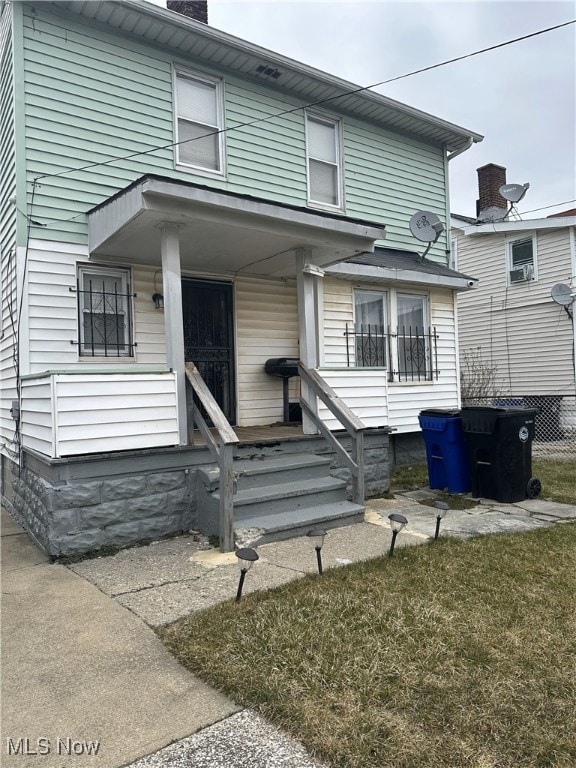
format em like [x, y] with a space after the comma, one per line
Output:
[308, 329]
[173, 319]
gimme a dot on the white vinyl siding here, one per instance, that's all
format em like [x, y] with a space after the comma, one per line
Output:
[377, 401]
[199, 121]
[8, 293]
[71, 415]
[518, 329]
[266, 326]
[53, 311]
[365, 391]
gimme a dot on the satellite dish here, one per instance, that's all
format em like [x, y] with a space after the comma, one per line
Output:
[513, 192]
[562, 294]
[426, 226]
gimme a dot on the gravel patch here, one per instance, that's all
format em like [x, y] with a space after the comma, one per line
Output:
[244, 740]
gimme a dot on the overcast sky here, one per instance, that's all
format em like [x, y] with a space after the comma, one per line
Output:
[522, 97]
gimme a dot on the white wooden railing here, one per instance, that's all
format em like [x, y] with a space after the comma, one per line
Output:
[222, 449]
[351, 423]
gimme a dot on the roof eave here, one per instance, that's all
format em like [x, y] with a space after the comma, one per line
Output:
[350, 271]
[527, 225]
[452, 136]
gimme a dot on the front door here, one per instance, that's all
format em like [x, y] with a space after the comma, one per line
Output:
[209, 338]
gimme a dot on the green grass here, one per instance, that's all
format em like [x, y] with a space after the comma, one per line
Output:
[453, 654]
[558, 478]
[409, 478]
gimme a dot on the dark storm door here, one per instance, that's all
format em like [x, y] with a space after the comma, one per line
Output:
[209, 338]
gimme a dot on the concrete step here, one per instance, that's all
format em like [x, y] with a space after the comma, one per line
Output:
[263, 470]
[286, 497]
[261, 529]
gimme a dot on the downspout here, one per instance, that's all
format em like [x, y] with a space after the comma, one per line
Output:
[454, 293]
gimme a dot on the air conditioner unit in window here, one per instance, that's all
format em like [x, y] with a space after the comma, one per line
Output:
[521, 274]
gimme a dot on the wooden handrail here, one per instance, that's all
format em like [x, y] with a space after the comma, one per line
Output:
[222, 450]
[351, 423]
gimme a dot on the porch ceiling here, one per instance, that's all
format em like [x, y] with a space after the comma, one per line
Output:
[221, 232]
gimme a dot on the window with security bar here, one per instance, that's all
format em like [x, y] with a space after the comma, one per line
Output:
[408, 351]
[104, 312]
[371, 339]
[413, 339]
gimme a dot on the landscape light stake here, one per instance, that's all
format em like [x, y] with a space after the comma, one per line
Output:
[397, 522]
[245, 559]
[317, 535]
[441, 509]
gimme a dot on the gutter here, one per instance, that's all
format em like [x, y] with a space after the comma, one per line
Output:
[467, 146]
[387, 274]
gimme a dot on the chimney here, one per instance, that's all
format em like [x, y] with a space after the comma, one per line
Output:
[490, 205]
[193, 9]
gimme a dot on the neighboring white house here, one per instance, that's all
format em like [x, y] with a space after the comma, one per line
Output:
[512, 319]
[170, 199]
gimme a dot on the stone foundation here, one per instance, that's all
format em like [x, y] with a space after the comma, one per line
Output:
[408, 449]
[78, 505]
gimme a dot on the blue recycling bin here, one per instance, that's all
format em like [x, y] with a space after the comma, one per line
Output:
[446, 450]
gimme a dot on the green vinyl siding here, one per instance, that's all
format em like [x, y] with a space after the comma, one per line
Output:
[93, 94]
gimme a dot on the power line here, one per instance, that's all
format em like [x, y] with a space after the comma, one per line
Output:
[305, 106]
[546, 207]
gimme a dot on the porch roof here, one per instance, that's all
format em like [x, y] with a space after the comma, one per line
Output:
[387, 264]
[221, 232]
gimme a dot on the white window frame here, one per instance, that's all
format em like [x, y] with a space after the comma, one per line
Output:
[85, 270]
[385, 297]
[427, 327]
[202, 77]
[509, 266]
[391, 324]
[453, 263]
[321, 117]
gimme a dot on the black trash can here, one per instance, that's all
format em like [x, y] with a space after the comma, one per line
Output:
[446, 449]
[500, 446]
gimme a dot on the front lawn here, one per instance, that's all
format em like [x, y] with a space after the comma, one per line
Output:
[453, 654]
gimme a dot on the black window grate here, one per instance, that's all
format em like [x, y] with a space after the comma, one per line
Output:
[370, 346]
[104, 319]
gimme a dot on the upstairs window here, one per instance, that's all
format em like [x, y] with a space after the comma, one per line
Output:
[199, 117]
[521, 260]
[104, 312]
[324, 161]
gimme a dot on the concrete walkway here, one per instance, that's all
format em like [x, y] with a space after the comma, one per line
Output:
[81, 674]
[81, 662]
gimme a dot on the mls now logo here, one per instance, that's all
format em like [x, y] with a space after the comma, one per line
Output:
[45, 746]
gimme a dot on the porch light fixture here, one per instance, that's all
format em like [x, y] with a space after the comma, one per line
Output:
[441, 509]
[158, 300]
[245, 559]
[397, 522]
[317, 535]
